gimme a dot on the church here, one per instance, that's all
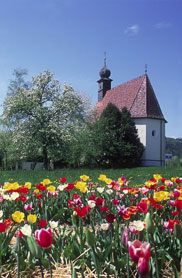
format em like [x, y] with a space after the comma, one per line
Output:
[139, 98]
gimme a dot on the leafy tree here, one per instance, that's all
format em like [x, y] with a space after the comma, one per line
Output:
[18, 82]
[43, 119]
[8, 156]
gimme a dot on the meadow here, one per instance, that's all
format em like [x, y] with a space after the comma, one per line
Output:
[136, 175]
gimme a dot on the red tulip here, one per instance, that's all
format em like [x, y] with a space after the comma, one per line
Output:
[2, 227]
[110, 217]
[44, 237]
[143, 266]
[63, 179]
[138, 250]
[42, 223]
[142, 207]
[82, 212]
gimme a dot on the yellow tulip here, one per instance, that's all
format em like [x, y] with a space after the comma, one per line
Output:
[18, 216]
[51, 188]
[31, 218]
[28, 185]
[46, 182]
[102, 177]
[84, 177]
[82, 186]
[157, 177]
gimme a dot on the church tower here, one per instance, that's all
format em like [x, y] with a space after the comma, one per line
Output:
[104, 82]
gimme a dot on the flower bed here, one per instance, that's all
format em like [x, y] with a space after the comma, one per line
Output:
[105, 228]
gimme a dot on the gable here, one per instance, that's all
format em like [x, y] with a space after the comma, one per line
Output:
[137, 96]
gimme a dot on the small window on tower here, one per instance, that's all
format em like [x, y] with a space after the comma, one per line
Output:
[153, 132]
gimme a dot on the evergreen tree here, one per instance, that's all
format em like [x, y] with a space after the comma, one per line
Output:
[133, 148]
[117, 143]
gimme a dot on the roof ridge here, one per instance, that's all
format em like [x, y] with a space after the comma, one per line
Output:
[127, 82]
[138, 91]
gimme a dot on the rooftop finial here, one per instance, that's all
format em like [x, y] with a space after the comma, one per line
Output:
[146, 68]
[105, 58]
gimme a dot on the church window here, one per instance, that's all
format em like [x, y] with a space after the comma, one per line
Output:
[153, 133]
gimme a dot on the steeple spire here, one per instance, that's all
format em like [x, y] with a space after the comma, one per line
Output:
[105, 59]
[104, 81]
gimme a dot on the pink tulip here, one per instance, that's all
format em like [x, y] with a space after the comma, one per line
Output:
[28, 207]
[176, 193]
[172, 203]
[138, 250]
[125, 237]
[44, 237]
[133, 230]
[143, 266]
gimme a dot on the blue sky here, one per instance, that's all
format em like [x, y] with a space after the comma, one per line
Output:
[69, 37]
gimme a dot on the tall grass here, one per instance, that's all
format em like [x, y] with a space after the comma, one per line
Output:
[135, 175]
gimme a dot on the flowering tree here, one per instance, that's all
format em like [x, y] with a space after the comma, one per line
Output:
[42, 118]
[18, 82]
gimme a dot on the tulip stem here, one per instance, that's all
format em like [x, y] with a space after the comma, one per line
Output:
[127, 258]
[155, 255]
[49, 261]
[18, 266]
[41, 269]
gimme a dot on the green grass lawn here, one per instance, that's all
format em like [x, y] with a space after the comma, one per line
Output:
[139, 175]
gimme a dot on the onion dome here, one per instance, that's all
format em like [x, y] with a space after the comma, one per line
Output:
[105, 72]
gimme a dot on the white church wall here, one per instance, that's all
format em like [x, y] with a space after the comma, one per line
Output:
[142, 129]
[152, 135]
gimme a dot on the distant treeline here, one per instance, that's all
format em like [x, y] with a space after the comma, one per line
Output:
[174, 146]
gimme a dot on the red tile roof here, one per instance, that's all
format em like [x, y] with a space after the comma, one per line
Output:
[137, 96]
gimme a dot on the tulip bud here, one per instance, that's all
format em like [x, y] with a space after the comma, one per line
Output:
[149, 223]
[125, 237]
[90, 238]
[17, 245]
[178, 231]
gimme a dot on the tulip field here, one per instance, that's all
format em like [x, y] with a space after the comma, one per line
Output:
[100, 226]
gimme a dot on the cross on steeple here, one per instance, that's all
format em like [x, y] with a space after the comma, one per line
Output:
[146, 68]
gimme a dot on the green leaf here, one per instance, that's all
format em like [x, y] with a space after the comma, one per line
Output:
[96, 261]
[73, 271]
[34, 248]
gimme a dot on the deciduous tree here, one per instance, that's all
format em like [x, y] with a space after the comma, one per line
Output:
[43, 119]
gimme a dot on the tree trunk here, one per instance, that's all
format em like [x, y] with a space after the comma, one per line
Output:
[45, 158]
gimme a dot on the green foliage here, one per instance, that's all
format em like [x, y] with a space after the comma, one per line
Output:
[174, 146]
[118, 144]
[43, 120]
